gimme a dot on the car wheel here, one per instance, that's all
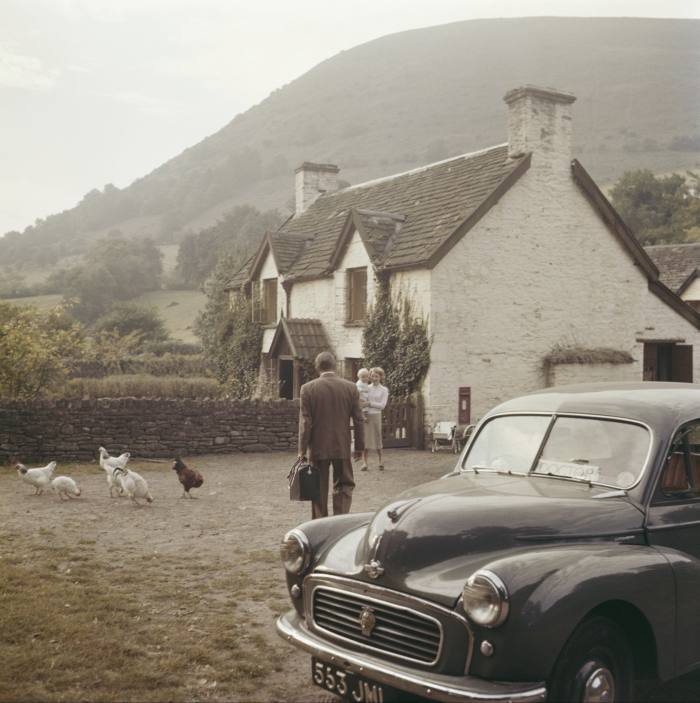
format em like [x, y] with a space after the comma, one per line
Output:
[596, 665]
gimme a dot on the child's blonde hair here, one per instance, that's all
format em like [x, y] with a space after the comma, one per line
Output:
[361, 372]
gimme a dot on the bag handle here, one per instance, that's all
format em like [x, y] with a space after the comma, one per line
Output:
[295, 467]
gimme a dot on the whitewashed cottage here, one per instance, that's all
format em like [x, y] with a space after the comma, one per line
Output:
[526, 275]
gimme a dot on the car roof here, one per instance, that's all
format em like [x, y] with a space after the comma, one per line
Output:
[661, 405]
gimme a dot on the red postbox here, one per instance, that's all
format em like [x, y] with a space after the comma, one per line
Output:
[464, 412]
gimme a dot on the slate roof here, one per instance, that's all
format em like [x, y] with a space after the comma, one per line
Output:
[307, 338]
[406, 220]
[285, 248]
[677, 263]
[379, 231]
[240, 278]
[434, 200]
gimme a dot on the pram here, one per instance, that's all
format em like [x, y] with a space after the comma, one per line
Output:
[444, 434]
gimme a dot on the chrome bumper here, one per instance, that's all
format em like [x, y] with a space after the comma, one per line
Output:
[436, 687]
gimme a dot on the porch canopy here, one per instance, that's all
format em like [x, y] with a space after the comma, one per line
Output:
[295, 340]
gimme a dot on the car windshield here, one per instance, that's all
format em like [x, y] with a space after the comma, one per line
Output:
[598, 450]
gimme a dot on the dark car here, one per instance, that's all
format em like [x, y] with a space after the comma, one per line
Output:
[560, 560]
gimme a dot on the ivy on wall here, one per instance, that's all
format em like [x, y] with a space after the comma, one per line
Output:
[396, 339]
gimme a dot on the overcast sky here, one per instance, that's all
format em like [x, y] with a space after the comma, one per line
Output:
[103, 91]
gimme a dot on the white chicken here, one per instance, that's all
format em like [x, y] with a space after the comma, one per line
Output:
[134, 485]
[65, 487]
[39, 478]
[109, 464]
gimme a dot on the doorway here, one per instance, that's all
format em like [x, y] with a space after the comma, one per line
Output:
[664, 361]
[286, 378]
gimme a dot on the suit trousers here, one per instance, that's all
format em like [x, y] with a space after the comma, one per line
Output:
[343, 484]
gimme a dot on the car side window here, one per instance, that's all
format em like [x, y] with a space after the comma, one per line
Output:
[680, 477]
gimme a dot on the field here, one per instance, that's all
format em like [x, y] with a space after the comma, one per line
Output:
[178, 308]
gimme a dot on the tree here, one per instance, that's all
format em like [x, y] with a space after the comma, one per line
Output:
[114, 269]
[129, 318]
[230, 338]
[658, 210]
[238, 232]
[32, 347]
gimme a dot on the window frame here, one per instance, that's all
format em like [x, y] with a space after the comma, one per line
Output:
[268, 303]
[692, 494]
[353, 303]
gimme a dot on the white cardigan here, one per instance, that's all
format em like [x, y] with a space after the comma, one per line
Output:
[377, 397]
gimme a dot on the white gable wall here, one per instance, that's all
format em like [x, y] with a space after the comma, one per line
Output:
[413, 285]
[692, 292]
[539, 269]
[325, 299]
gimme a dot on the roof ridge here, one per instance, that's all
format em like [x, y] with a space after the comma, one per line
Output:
[417, 169]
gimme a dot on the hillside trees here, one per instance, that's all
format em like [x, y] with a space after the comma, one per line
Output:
[115, 269]
[236, 234]
[659, 210]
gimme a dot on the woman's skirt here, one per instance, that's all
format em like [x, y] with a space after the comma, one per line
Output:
[373, 431]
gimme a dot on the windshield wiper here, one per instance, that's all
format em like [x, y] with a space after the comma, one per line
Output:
[566, 478]
[503, 472]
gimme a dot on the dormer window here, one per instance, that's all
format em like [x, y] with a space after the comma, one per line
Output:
[357, 294]
[268, 302]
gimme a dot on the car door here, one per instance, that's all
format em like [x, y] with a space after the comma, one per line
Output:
[673, 521]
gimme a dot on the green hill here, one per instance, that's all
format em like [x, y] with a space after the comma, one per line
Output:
[408, 99]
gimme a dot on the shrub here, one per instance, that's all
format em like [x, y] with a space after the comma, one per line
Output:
[141, 386]
[165, 365]
[32, 348]
[129, 318]
[171, 346]
[395, 339]
[231, 339]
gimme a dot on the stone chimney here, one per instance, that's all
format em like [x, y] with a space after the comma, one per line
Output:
[539, 121]
[312, 180]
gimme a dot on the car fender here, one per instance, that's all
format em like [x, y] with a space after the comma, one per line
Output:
[321, 534]
[552, 589]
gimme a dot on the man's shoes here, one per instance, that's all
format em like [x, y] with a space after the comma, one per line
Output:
[381, 467]
[363, 468]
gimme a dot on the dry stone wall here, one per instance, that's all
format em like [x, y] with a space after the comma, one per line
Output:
[74, 429]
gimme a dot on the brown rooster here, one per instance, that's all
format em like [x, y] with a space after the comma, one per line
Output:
[189, 478]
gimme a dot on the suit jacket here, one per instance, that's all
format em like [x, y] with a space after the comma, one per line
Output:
[328, 403]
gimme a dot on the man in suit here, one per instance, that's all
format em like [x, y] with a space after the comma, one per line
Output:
[328, 403]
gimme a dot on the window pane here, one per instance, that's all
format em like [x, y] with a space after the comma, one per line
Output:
[682, 467]
[269, 300]
[357, 294]
[600, 451]
[508, 443]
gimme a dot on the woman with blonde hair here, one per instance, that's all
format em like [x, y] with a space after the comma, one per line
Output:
[377, 397]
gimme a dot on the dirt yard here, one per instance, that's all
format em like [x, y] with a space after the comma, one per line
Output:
[175, 601]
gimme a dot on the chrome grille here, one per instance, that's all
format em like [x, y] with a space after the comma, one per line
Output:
[397, 631]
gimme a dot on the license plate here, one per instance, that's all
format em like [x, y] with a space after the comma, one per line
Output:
[349, 686]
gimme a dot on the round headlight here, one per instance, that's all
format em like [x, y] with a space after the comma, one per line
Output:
[295, 552]
[485, 599]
